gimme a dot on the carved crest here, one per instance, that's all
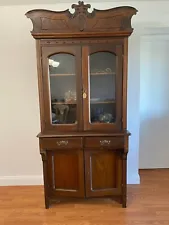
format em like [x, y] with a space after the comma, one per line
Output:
[82, 9]
[81, 13]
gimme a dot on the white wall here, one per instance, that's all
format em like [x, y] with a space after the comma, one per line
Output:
[154, 102]
[20, 161]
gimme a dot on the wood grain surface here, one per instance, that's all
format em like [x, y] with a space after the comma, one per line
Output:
[148, 204]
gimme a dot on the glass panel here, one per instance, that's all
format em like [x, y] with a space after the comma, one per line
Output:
[102, 87]
[62, 88]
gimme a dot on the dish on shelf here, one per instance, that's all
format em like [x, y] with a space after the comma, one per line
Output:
[94, 99]
[105, 118]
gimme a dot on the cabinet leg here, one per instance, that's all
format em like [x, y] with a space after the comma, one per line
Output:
[124, 205]
[44, 160]
[47, 203]
[124, 180]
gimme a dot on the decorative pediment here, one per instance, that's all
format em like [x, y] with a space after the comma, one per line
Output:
[50, 24]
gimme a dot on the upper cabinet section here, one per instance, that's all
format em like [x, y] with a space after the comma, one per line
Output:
[82, 23]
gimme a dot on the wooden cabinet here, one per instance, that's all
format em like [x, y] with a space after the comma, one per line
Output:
[82, 80]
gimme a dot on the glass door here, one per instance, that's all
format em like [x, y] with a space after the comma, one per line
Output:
[61, 72]
[102, 88]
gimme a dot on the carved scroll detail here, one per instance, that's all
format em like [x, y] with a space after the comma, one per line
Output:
[82, 9]
[43, 155]
[81, 13]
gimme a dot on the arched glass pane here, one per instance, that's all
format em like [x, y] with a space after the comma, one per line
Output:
[62, 88]
[102, 87]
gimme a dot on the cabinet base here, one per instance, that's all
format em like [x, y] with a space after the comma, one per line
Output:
[54, 201]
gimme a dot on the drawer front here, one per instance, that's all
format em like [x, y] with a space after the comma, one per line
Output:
[104, 142]
[61, 143]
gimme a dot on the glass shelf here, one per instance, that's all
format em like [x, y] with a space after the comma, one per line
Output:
[97, 74]
[62, 75]
[102, 102]
[71, 74]
[63, 90]
[64, 103]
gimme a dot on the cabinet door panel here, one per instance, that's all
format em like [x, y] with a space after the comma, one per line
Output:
[66, 173]
[103, 173]
[102, 86]
[62, 88]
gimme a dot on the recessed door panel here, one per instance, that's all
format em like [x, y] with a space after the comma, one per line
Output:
[103, 176]
[66, 173]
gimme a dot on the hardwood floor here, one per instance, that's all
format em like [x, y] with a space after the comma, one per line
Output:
[148, 204]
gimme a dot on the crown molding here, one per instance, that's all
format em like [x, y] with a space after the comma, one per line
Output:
[34, 2]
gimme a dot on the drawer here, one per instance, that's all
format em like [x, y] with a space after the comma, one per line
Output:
[61, 143]
[104, 142]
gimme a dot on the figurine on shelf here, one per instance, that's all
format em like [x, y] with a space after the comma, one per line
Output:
[61, 112]
[52, 65]
[70, 96]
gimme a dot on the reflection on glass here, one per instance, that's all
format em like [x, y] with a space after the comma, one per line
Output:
[62, 88]
[102, 87]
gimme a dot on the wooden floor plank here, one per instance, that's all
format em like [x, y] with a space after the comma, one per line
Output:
[148, 204]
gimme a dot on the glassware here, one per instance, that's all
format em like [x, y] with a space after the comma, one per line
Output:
[102, 87]
[62, 88]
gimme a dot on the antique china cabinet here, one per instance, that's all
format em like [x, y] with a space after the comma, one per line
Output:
[82, 76]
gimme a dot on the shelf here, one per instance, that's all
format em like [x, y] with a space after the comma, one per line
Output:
[62, 75]
[102, 102]
[97, 74]
[64, 103]
[72, 74]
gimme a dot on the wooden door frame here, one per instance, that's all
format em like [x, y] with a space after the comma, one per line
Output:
[86, 51]
[50, 50]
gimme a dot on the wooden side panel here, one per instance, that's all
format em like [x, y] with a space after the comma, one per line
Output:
[125, 79]
[103, 176]
[66, 173]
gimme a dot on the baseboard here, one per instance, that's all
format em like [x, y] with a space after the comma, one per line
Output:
[155, 169]
[38, 180]
[20, 180]
[133, 178]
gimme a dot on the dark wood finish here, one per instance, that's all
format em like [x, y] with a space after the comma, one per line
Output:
[125, 69]
[81, 41]
[104, 142]
[112, 22]
[65, 171]
[116, 50]
[46, 52]
[45, 177]
[85, 134]
[83, 159]
[40, 84]
[61, 143]
[102, 174]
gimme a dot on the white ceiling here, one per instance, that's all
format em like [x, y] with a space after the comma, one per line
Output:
[30, 2]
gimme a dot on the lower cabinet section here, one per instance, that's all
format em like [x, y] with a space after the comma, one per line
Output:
[77, 171]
